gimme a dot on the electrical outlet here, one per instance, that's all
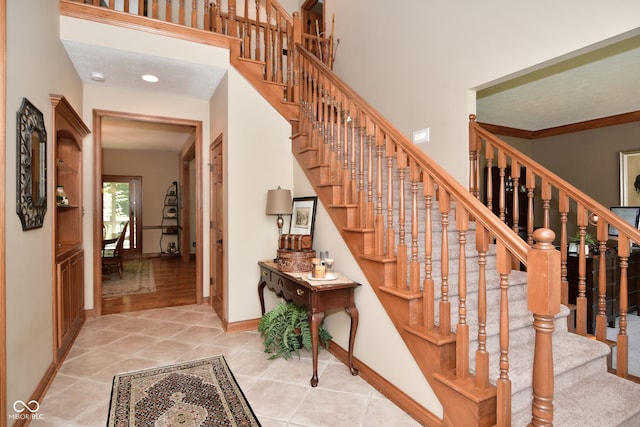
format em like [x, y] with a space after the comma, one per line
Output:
[194, 244]
[420, 136]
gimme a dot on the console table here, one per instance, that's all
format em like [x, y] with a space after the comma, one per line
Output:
[316, 296]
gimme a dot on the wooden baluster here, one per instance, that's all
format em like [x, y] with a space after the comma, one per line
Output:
[111, 4]
[141, 6]
[218, 20]
[482, 355]
[232, 20]
[428, 287]
[545, 189]
[361, 192]
[563, 207]
[414, 264]
[278, 48]
[246, 32]
[125, 7]
[154, 9]
[489, 178]
[368, 223]
[445, 304]
[474, 149]
[346, 173]
[181, 12]
[168, 11]
[543, 277]
[340, 147]
[601, 316]
[502, 196]
[462, 330]
[379, 226]
[314, 113]
[401, 248]
[503, 416]
[391, 237]
[354, 133]
[194, 13]
[324, 124]
[293, 52]
[622, 355]
[267, 44]
[334, 148]
[290, 50]
[258, 42]
[515, 209]
[531, 187]
[581, 299]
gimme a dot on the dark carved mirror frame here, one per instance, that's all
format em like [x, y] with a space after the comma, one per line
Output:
[31, 166]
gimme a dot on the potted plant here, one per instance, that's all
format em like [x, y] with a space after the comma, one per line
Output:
[286, 330]
[589, 243]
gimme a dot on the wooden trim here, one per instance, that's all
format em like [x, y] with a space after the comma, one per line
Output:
[97, 191]
[3, 209]
[245, 325]
[142, 23]
[615, 120]
[390, 391]
[38, 393]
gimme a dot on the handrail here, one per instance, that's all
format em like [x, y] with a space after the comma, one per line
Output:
[587, 212]
[382, 174]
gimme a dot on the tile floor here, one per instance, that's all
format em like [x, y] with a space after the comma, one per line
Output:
[116, 343]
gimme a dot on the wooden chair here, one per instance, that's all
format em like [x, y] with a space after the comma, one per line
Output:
[113, 257]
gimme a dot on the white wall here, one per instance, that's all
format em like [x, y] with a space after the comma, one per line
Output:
[37, 66]
[419, 71]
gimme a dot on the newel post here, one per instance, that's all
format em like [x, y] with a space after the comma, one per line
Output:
[543, 274]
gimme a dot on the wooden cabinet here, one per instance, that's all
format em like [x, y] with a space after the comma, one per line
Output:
[68, 301]
[612, 263]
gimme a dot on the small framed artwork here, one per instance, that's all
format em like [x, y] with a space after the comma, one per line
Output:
[303, 215]
[630, 178]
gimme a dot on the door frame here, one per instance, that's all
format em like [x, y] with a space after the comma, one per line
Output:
[98, 116]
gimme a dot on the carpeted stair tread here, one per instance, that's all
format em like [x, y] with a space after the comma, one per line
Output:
[600, 400]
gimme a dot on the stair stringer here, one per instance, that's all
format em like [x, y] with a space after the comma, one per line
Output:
[432, 352]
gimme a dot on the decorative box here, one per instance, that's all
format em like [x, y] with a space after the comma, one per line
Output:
[295, 261]
[295, 242]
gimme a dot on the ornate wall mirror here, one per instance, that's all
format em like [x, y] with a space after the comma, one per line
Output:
[31, 167]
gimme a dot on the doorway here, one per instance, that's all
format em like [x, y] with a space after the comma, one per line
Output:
[121, 203]
[101, 117]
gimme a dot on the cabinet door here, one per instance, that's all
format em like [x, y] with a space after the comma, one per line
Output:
[63, 306]
[77, 286]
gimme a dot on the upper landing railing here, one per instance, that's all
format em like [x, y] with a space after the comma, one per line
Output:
[266, 32]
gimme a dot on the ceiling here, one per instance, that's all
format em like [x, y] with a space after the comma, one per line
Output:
[600, 83]
[593, 85]
[123, 69]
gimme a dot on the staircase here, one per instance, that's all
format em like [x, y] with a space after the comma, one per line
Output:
[478, 307]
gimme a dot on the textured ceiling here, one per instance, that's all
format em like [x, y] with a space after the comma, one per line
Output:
[597, 84]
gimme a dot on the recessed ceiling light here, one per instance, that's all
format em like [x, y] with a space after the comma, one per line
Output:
[96, 76]
[150, 78]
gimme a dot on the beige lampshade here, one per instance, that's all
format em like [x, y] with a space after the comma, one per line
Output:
[279, 202]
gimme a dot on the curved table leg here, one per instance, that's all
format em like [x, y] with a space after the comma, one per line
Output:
[316, 318]
[353, 313]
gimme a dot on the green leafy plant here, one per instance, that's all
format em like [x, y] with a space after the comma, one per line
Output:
[589, 240]
[286, 329]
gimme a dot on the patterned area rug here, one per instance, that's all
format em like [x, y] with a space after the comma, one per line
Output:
[137, 278]
[199, 393]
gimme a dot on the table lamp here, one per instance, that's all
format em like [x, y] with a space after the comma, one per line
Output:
[279, 203]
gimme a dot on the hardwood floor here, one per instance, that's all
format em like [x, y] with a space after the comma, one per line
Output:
[175, 285]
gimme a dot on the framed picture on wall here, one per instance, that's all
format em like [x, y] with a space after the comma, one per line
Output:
[303, 216]
[630, 178]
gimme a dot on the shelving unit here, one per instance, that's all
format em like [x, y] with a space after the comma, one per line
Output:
[170, 226]
[69, 131]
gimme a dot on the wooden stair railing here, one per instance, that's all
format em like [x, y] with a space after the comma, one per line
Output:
[397, 210]
[543, 188]
[265, 31]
